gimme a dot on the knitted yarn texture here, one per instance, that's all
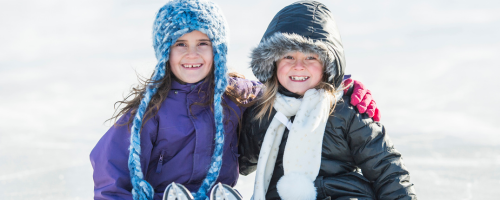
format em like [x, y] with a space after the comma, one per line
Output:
[173, 20]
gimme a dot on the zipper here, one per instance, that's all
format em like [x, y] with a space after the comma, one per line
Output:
[235, 153]
[160, 163]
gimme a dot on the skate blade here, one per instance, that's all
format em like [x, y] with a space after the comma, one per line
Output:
[177, 192]
[224, 192]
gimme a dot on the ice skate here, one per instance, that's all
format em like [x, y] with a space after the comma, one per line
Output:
[224, 192]
[176, 191]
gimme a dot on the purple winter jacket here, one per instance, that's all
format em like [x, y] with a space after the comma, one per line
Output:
[176, 145]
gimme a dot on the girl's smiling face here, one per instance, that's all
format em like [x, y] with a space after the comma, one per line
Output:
[191, 57]
[299, 72]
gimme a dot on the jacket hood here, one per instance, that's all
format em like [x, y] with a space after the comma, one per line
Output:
[173, 20]
[305, 26]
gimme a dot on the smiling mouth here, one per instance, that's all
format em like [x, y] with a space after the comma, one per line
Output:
[299, 78]
[192, 66]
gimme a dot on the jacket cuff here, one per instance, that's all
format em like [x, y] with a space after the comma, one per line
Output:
[318, 183]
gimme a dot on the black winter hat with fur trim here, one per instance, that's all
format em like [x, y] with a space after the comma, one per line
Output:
[304, 26]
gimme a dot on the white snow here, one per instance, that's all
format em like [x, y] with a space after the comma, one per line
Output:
[432, 67]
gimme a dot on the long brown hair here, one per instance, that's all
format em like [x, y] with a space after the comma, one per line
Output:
[133, 99]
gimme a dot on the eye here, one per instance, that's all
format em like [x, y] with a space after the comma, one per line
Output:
[180, 44]
[288, 57]
[204, 44]
[311, 58]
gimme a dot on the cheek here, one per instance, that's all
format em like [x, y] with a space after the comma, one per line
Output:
[210, 63]
[171, 62]
[207, 52]
[173, 67]
[208, 57]
[282, 76]
[317, 73]
[282, 71]
[315, 82]
[174, 55]
[207, 71]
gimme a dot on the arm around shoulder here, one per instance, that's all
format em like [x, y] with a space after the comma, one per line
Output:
[244, 90]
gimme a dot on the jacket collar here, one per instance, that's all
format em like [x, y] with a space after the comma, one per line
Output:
[179, 85]
[282, 90]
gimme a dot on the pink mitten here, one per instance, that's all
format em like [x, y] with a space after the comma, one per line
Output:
[362, 99]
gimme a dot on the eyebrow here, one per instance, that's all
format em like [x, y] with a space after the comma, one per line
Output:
[204, 40]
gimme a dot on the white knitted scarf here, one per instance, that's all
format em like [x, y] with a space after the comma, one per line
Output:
[302, 156]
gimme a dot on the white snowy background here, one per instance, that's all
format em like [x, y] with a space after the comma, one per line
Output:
[432, 66]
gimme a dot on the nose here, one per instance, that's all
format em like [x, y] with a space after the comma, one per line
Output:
[192, 52]
[299, 66]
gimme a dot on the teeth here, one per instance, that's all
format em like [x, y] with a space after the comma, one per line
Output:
[190, 66]
[299, 78]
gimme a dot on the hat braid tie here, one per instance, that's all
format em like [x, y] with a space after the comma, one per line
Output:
[142, 190]
[216, 163]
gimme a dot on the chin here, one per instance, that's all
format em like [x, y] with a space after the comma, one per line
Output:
[301, 90]
[193, 80]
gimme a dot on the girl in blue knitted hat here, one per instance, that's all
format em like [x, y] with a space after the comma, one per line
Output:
[181, 125]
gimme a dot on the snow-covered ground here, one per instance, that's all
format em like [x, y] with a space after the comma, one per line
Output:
[432, 66]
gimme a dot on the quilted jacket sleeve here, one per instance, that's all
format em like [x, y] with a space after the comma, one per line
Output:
[109, 159]
[251, 138]
[248, 147]
[379, 161]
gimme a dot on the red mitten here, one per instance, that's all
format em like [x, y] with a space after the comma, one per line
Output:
[362, 99]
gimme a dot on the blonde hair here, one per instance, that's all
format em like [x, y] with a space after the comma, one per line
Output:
[267, 99]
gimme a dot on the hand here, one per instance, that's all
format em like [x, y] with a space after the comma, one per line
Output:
[362, 99]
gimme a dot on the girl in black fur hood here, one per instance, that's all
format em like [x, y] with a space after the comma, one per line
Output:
[302, 138]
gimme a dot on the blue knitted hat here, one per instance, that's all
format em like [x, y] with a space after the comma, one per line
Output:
[173, 20]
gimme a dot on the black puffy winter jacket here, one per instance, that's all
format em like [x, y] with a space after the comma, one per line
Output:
[358, 158]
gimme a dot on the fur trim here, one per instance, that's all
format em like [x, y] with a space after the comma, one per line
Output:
[296, 186]
[173, 20]
[276, 46]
